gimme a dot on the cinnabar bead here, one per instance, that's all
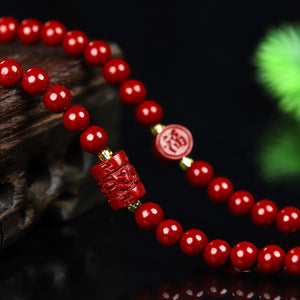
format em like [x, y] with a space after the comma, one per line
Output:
[220, 189]
[264, 213]
[29, 32]
[193, 242]
[241, 203]
[35, 81]
[132, 92]
[74, 42]
[116, 71]
[288, 219]
[216, 253]
[8, 29]
[10, 72]
[97, 53]
[148, 113]
[168, 232]
[57, 99]
[76, 118]
[149, 215]
[52, 33]
[200, 173]
[270, 259]
[244, 255]
[93, 139]
[292, 261]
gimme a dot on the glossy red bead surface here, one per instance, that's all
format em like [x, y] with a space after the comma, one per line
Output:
[76, 118]
[10, 72]
[193, 242]
[244, 255]
[220, 189]
[8, 29]
[132, 92]
[288, 219]
[35, 81]
[74, 42]
[216, 253]
[93, 139]
[149, 215]
[148, 113]
[168, 232]
[292, 261]
[270, 259]
[264, 213]
[116, 71]
[57, 99]
[97, 53]
[240, 203]
[200, 173]
[29, 31]
[52, 33]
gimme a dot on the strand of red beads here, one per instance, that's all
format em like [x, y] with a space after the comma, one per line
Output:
[172, 144]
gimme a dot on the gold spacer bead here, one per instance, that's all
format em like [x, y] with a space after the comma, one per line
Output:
[105, 154]
[185, 163]
[133, 207]
[156, 129]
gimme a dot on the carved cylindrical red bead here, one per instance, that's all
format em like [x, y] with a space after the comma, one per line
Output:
[118, 180]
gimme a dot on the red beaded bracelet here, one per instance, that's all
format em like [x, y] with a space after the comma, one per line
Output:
[118, 179]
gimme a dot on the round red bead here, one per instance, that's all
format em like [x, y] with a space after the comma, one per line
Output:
[57, 99]
[292, 261]
[29, 32]
[97, 53]
[243, 255]
[8, 29]
[200, 173]
[264, 213]
[93, 139]
[148, 113]
[76, 118]
[116, 71]
[132, 92]
[10, 72]
[52, 33]
[270, 259]
[169, 232]
[74, 42]
[149, 215]
[35, 81]
[241, 203]
[193, 242]
[220, 189]
[288, 220]
[216, 253]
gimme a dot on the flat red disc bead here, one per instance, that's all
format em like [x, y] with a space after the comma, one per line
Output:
[149, 215]
[243, 255]
[264, 213]
[132, 92]
[168, 232]
[8, 29]
[220, 189]
[74, 42]
[270, 259]
[193, 242]
[241, 203]
[35, 81]
[97, 53]
[93, 139]
[200, 173]
[76, 118]
[116, 71]
[57, 99]
[10, 72]
[288, 220]
[216, 253]
[292, 261]
[29, 31]
[52, 33]
[148, 113]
